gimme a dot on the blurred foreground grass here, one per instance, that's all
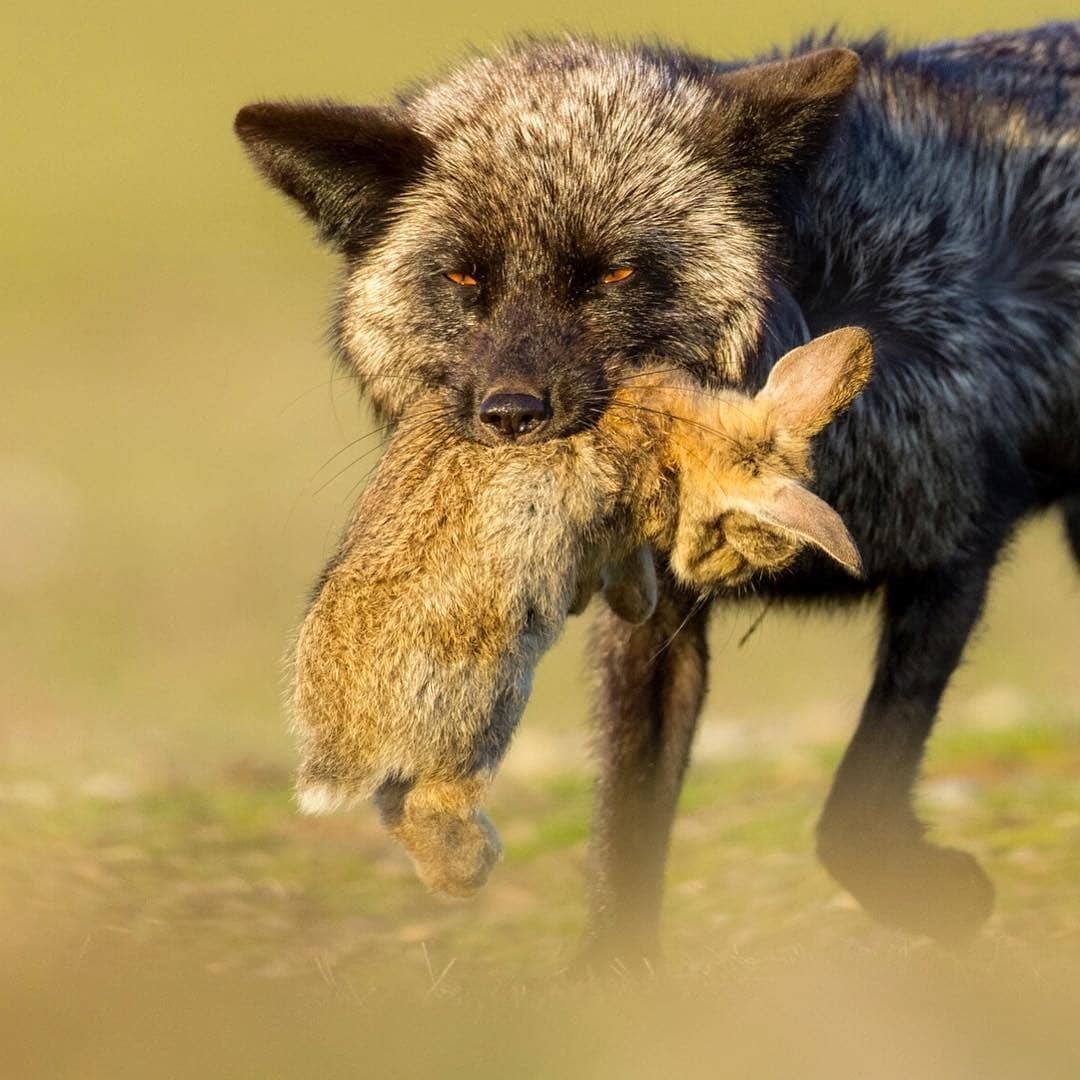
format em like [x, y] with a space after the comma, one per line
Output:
[209, 930]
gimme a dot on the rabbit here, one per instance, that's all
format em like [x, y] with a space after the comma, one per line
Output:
[462, 562]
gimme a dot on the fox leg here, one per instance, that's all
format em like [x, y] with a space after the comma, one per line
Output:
[869, 837]
[652, 682]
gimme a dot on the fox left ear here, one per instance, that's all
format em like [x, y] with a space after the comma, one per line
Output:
[799, 513]
[784, 111]
[343, 164]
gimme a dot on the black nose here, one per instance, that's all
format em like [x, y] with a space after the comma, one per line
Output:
[514, 415]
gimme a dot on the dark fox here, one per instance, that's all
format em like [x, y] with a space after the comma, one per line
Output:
[526, 231]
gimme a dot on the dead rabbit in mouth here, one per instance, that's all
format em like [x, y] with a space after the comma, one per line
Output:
[462, 561]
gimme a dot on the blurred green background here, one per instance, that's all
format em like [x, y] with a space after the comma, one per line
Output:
[169, 488]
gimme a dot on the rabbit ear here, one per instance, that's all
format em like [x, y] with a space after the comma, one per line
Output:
[811, 384]
[804, 517]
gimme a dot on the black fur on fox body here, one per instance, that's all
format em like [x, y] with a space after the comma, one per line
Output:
[528, 228]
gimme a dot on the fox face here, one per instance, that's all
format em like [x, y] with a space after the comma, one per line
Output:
[529, 230]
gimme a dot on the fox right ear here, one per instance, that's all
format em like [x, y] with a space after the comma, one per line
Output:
[785, 110]
[811, 384]
[343, 164]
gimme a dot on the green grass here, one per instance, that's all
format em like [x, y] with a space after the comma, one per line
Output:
[231, 853]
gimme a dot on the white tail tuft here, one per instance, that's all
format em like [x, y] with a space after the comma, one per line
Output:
[321, 798]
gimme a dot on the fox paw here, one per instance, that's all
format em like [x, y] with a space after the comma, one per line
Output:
[925, 889]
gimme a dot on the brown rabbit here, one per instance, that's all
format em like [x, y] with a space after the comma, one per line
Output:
[462, 562]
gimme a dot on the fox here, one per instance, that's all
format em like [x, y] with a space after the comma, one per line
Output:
[529, 228]
[416, 657]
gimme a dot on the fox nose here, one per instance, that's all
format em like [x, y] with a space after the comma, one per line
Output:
[514, 415]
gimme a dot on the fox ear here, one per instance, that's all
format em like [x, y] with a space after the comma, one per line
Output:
[811, 384]
[807, 519]
[788, 107]
[343, 164]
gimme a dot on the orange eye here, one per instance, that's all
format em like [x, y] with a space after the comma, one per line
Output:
[461, 279]
[616, 274]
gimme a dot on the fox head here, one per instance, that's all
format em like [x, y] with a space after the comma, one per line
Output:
[531, 228]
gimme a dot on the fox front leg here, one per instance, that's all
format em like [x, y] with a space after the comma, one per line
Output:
[651, 686]
[869, 836]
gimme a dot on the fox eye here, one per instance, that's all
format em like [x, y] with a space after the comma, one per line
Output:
[616, 274]
[460, 278]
